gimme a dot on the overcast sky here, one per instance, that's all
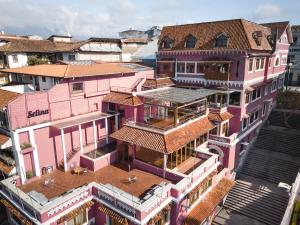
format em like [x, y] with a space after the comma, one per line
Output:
[105, 18]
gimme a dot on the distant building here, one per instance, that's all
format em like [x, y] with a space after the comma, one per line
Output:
[294, 57]
[140, 46]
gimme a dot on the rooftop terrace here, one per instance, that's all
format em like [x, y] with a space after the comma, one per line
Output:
[115, 174]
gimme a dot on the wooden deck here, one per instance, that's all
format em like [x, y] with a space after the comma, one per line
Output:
[187, 166]
[115, 174]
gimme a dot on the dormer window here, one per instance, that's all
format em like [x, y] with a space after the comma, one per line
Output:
[257, 36]
[222, 40]
[167, 43]
[190, 42]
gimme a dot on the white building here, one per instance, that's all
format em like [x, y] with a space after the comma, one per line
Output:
[294, 57]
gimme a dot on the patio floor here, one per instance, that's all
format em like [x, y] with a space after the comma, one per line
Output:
[189, 165]
[115, 174]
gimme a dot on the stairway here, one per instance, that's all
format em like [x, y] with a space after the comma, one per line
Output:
[69, 156]
[275, 158]
[256, 202]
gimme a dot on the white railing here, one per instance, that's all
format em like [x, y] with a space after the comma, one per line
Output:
[289, 210]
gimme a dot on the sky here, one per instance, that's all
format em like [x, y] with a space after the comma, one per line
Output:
[105, 18]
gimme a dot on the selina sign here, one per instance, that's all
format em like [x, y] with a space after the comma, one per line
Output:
[37, 113]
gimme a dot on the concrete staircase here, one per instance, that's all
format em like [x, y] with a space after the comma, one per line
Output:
[257, 201]
[275, 158]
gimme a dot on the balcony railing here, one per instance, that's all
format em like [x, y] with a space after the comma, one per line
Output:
[227, 139]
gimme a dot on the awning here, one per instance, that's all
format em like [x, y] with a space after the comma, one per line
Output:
[219, 117]
[120, 219]
[205, 207]
[15, 212]
[76, 120]
[163, 142]
[122, 99]
[75, 212]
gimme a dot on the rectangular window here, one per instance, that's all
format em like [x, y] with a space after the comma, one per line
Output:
[15, 58]
[247, 99]
[245, 120]
[44, 79]
[262, 63]
[256, 94]
[264, 109]
[77, 87]
[181, 67]
[190, 67]
[200, 68]
[274, 86]
[270, 62]
[257, 64]
[251, 118]
[71, 57]
[234, 98]
[250, 66]
[253, 95]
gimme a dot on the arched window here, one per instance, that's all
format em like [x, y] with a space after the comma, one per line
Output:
[222, 40]
[190, 41]
[277, 61]
[167, 42]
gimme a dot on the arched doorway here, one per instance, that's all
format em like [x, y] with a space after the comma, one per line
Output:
[217, 150]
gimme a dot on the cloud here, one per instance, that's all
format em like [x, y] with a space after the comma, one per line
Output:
[267, 11]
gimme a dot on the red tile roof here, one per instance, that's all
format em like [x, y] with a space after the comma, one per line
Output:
[6, 97]
[160, 82]
[5, 168]
[204, 209]
[219, 117]
[3, 139]
[70, 71]
[239, 32]
[163, 142]
[122, 99]
[36, 46]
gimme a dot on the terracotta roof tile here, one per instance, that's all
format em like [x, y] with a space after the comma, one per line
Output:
[209, 203]
[6, 97]
[45, 46]
[122, 99]
[163, 142]
[3, 139]
[5, 168]
[219, 117]
[239, 32]
[154, 83]
[69, 71]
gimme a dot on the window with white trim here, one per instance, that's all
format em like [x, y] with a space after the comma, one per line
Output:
[15, 58]
[277, 61]
[200, 67]
[262, 63]
[180, 67]
[190, 68]
[244, 123]
[274, 86]
[250, 65]
[247, 97]
[256, 94]
[283, 60]
[253, 117]
[257, 63]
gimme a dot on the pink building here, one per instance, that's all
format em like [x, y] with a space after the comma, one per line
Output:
[112, 145]
[245, 59]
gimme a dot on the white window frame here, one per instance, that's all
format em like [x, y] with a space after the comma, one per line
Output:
[256, 98]
[277, 57]
[247, 123]
[253, 60]
[276, 86]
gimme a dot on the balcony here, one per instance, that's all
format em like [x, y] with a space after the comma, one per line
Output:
[225, 139]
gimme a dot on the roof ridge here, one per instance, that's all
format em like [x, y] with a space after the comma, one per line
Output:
[245, 33]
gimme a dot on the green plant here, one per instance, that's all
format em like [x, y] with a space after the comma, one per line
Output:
[29, 174]
[33, 60]
[25, 145]
[288, 100]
